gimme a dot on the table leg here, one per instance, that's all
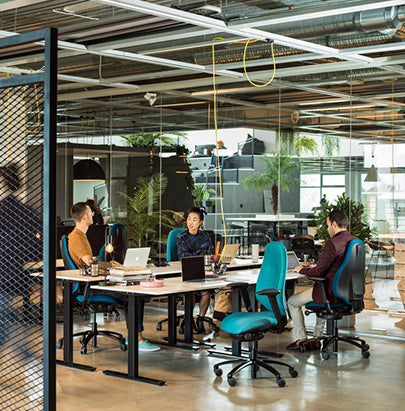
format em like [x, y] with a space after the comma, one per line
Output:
[188, 318]
[68, 330]
[172, 313]
[133, 352]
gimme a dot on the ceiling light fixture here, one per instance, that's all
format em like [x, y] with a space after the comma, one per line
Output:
[88, 170]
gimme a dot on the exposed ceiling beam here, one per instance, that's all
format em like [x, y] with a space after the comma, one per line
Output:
[202, 21]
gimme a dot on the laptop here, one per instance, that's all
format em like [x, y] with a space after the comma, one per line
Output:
[136, 257]
[229, 253]
[292, 261]
[192, 268]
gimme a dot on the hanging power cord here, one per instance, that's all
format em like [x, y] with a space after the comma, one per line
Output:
[37, 105]
[244, 64]
[215, 116]
[216, 145]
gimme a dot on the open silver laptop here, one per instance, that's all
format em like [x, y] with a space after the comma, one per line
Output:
[136, 257]
[229, 253]
[292, 261]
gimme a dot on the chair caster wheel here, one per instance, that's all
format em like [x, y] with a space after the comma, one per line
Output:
[83, 350]
[365, 347]
[365, 354]
[232, 381]
[280, 382]
[181, 331]
[81, 340]
[158, 328]
[218, 372]
[325, 355]
[59, 344]
[123, 347]
[215, 328]
[294, 373]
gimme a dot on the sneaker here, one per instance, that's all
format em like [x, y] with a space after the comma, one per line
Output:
[144, 346]
[200, 325]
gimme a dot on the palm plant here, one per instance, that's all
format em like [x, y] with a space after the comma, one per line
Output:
[144, 215]
[279, 168]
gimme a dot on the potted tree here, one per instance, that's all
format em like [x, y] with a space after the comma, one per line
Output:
[277, 173]
[144, 216]
[355, 211]
[201, 194]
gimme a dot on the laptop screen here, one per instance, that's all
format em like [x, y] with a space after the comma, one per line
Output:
[136, 257]
[192, 268]
[292, 260]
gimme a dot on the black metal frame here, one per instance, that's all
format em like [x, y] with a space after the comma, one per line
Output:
[48, 38]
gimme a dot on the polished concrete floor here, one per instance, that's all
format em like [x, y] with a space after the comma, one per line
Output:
[344, 382]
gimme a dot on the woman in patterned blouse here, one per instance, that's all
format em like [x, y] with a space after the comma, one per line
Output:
[194, 241]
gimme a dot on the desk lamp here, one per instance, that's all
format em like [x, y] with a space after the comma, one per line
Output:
[108, 249]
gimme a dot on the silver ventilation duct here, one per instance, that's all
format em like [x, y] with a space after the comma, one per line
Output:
[385, 20]
[235, 54]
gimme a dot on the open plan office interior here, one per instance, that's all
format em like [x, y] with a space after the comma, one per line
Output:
[269, 114]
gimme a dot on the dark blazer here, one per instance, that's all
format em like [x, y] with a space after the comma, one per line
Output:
[331, 258]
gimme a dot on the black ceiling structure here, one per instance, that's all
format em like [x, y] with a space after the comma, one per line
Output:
[339, 64]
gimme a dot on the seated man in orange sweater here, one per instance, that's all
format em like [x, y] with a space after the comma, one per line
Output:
[81, 253]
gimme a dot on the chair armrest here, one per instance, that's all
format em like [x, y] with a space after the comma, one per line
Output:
[271, 294]
[238, 285]
[268, 291]
[321, 282]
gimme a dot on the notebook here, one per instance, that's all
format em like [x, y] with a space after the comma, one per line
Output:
[136, 257]
[292, 260]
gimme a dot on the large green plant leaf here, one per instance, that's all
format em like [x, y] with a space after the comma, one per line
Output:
[144, 215]
[355, 211]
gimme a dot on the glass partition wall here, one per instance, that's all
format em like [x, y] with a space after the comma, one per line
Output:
[172, 168]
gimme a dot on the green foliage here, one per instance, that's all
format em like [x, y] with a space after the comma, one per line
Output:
[144, 215]
[285, 138]
[201, 193]
[151, 139]
[277, 173]
[304, 143]
[355, 211]
[330, 145]
[278, 165]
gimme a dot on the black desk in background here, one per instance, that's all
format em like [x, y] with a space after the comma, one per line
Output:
[95, 234]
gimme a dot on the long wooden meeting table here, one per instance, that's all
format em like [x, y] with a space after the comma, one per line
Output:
[171, 288]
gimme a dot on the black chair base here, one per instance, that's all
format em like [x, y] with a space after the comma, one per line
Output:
[332, 337]
[254, 362]
[356, 341]
[160, 323]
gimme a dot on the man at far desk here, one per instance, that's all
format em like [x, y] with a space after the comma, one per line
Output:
[81, 253]
[330, 260]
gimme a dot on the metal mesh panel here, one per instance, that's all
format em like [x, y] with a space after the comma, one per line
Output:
[21, 206]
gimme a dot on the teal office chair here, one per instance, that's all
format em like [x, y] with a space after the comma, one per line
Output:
[348, 286]
[251, 326]
[94, 303]
[171, 253]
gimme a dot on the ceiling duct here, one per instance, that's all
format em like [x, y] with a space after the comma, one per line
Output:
[234, 54]
[385, 20]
